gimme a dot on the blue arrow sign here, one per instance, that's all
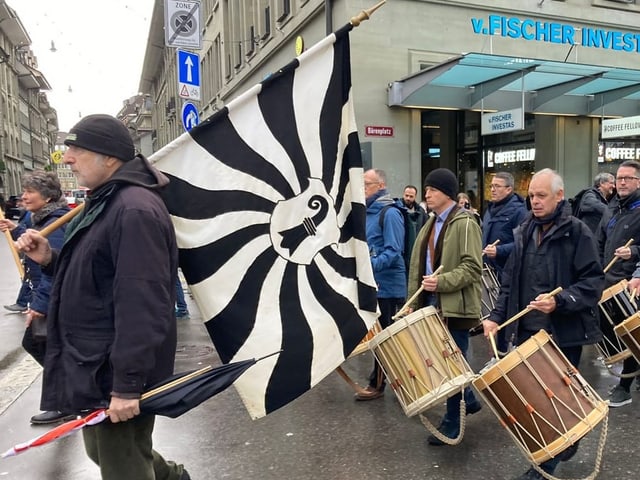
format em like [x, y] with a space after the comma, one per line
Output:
[188, 68]
[190, 117]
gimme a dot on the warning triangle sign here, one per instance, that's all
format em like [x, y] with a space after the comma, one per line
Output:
[184, 92]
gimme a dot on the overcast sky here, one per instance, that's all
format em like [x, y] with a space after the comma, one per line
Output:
[100, 48]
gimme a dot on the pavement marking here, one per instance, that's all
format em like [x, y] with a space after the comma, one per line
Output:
[16, 379]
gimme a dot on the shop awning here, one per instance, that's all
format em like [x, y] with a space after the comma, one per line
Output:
[476, 81]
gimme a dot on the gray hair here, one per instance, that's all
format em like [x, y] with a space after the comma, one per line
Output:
[603, 177]
[382, 176]
[45, 183]
[557, 183]
[507, 177]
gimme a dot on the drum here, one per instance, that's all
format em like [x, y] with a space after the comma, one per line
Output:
[615, 306]
[490, 290]
[629, 332]
[421, 361]
[540, 398]
[363, 346]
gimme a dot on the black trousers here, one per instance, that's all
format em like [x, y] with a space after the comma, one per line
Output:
[388, 308]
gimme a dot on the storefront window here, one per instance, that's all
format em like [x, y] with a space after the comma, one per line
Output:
[612, 153]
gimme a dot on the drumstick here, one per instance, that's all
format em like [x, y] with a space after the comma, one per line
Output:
[494, 347]
[527, 309]
[12, 247]
[62, 220]
[415, 295]
[615, 259]
[494, 243]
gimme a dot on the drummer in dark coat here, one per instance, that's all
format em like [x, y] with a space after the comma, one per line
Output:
[551, 249]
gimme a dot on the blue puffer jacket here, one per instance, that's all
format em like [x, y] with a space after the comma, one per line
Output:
[499, 221]
[385, 247]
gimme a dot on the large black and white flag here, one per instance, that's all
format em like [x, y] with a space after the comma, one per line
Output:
[268, 205]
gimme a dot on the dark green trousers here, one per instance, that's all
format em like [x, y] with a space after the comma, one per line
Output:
[124, 451]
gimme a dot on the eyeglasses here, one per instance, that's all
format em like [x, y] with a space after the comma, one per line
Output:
[371, 183]
[495, 186]
[625, 179]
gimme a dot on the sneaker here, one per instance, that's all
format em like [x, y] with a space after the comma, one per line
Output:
[45, 418]
[531, 474]
[619, 397]
[369, 393]
[183, 315]
[16, 308]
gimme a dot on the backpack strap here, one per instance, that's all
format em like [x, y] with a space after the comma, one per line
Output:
[383, 212]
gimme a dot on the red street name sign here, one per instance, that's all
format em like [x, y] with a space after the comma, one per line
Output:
[378, 131]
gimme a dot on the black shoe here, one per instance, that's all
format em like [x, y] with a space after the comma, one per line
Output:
[568, 453]
[16, 308]
[474, 407]
[185, 475]
[45, 418]
[446, 428]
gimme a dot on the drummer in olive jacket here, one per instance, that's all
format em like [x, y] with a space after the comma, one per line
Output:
[551, 249]
[451, 238]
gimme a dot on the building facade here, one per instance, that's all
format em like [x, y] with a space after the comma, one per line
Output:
[427, 74]
[28, 123]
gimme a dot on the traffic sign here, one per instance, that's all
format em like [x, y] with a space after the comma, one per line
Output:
[182, 24]
[188, 64]
[190, 116]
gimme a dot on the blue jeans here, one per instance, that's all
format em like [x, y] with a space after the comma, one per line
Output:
[452, 417]
[181, 304]
[24, 295]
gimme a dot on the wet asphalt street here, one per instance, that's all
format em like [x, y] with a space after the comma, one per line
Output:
[324, 435]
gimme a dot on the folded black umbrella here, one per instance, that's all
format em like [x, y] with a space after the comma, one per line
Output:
[182, 392]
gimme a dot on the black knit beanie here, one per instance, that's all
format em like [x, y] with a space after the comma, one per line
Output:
[102, 134]
[443, 180]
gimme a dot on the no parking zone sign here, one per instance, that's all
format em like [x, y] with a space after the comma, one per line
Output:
[182, 24]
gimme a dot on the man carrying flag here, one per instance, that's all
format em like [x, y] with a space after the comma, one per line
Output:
[111, 325]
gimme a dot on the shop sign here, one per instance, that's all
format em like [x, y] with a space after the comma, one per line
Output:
[556, 32]
[501, 122]
[621, 127]
[378, 131]
[510, 156]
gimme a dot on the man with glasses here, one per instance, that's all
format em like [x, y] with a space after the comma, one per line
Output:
[386, 243]
[505, 211]
[621, 222]
[595, 199]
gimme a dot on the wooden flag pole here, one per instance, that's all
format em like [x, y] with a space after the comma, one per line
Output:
[12, 247]
[527, 310]
[62, 220]
[615, 259]
[366, 14]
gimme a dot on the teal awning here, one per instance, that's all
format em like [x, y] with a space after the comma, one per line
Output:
[476, 81]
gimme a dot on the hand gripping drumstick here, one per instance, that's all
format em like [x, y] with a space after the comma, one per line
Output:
[415, 295]
[527, 309]
[615, 259]
[12, 247]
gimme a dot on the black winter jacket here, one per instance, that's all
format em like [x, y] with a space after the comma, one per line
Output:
[111, 324]
[592, 206]
[573, 265]
[619, 223]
